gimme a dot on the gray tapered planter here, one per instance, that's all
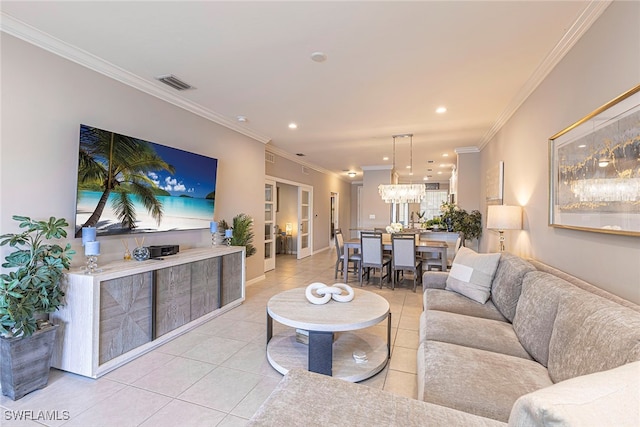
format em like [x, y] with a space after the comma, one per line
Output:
[25, 362]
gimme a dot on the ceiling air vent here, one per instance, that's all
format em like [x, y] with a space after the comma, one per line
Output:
[269, 157]
[174, 82]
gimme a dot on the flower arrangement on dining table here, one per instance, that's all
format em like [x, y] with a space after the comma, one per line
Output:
[394, 227]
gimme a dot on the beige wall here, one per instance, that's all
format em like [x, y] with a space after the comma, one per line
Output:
[468, 196]
[323, 183]
[375, 212]
[602, 65]
[45, 99]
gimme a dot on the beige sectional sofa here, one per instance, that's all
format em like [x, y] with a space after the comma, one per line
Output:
[545, 349]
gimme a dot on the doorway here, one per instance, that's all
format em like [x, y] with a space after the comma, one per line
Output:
[334, 215]
[293, 220]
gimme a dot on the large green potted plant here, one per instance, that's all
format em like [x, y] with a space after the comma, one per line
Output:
[461, 221]
[242, 232]
[29, 291]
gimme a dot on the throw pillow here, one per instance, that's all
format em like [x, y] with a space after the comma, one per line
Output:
[471, 274]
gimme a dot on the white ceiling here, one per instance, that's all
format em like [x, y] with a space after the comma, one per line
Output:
[389, 65]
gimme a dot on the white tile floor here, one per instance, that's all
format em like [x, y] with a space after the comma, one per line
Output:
[215, 375]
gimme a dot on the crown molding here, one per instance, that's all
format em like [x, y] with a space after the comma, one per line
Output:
[296, 159]
[591, 13]
[36, 37]
[377, 168]
[465, 150]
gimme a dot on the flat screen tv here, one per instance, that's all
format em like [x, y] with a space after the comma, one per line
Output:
[128, 185]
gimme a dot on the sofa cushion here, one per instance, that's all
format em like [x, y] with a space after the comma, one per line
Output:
[439, 299]
[592, 334]
[306, 399]
[469, 331]
[507, 283]
[608, 398]
[471, 274]
[536, 312]
[475, 381]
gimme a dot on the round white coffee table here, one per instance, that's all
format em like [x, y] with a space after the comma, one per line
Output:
[329, 352]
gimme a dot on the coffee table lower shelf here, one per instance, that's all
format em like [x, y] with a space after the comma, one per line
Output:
[285, 353]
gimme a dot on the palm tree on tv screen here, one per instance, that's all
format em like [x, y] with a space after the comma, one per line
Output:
[110, 162]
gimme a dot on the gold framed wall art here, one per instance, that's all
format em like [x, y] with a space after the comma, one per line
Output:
[594, 167]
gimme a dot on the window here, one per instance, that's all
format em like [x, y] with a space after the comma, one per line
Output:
[431, 203]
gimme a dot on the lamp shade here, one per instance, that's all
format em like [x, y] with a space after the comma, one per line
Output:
[504, 217]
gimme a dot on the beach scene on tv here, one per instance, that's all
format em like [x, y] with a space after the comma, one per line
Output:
[128, 185]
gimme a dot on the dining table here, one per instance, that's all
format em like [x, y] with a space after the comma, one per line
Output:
[435, 246]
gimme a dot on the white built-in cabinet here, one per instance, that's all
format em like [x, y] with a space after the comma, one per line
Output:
[131, 307]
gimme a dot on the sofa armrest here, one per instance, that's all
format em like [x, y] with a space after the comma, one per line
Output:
[604, 398]
[434, 279]
[306, 399]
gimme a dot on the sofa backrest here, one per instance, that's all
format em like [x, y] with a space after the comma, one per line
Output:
[592, 334]
[507, 283]
[536, 311]
[583, 285]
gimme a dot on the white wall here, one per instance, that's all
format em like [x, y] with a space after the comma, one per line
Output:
[45, 99]
[602, 65]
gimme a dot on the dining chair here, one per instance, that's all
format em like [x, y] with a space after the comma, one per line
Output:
[373, 256]
[404, 258]
[344, 258]
[433, 261]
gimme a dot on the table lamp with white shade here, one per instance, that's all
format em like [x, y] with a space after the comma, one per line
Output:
[504, 217]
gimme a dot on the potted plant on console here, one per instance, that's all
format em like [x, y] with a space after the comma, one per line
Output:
[242, 232]
[27, 293]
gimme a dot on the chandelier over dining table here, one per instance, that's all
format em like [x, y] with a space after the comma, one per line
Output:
[402, 193]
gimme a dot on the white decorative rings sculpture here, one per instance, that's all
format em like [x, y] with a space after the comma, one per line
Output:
[319, 293]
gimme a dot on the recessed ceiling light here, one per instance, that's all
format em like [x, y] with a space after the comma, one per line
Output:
[445, 155]
[241, 119]
[440, 173]
[385, 158]
[441, 110]
[426, 178]
[582, 145]
[318, 56]
[351, 174]
[293, 126]
[300, 154]
[443, 165]
[408, 167]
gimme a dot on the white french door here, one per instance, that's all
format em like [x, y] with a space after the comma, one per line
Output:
[305, 196]
[269, 225]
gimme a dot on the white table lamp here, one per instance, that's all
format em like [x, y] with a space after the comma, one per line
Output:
[504, 217]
